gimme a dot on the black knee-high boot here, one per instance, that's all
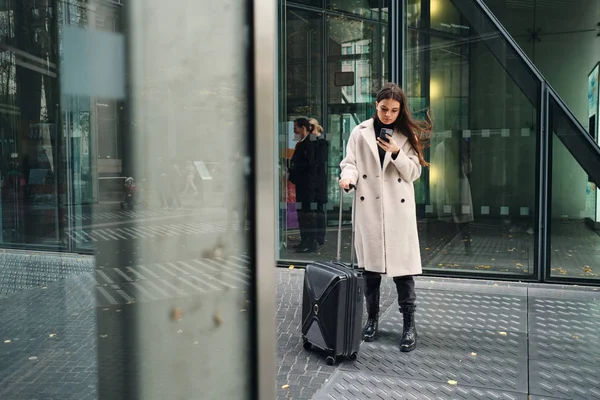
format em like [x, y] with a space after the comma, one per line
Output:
[405, 286]
[372, 296]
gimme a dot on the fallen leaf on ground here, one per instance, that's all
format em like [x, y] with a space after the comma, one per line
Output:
[53, 335]
[451, 382]
[473, 354]
[503, 333]
[291, 267]
[575, 337]
[7, 341]
[285, 386]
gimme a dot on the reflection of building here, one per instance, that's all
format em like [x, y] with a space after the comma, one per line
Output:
[59, 153]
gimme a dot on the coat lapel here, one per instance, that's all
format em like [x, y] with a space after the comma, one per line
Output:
[400, 140]
[368, 131]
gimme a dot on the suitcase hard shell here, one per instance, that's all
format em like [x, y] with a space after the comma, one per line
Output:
[332, 305]
[332, 309]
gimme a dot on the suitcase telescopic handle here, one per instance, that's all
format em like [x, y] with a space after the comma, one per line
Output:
[339, 242]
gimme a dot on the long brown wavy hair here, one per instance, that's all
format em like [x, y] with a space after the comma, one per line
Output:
[418, 132]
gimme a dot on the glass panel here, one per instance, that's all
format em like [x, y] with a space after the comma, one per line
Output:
[33, 182]
[544, 30]
[303, 97]
[476, 203]
[385, 10]
[575, 209]
[174, 281]
[446, 18]
[364, 8]
[314, 3]
[413, 13]
[354, 70]
[93, 128]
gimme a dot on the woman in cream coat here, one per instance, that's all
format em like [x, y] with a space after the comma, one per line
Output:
[383, 173]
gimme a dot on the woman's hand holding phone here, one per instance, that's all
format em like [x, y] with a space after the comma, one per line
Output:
[389, 145]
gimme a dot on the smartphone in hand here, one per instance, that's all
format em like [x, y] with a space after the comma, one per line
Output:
[384, 134]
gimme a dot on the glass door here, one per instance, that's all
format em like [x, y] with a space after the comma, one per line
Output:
[355, 74]
[477, 200]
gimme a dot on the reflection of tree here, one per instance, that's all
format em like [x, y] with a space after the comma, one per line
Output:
[33, 25]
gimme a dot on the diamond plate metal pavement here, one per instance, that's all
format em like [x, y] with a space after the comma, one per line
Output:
[358, 386]
[491, 370]
[489, 340]
[567, 381]
[480, 334]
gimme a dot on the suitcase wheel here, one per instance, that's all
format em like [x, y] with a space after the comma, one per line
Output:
[306, 344]
[330, 360]
[353, 356]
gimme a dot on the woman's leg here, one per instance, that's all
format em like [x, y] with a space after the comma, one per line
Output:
[407, 296]
[372, 297]
[321, 223]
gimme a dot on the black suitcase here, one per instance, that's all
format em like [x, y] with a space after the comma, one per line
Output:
[332, 305]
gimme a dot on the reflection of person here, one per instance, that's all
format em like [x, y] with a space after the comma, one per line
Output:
[321, 155]
[303, 176]
[451, 189]
[174, 184]
[190, 175]
[162, 182]
[236, 201]
[383, 172]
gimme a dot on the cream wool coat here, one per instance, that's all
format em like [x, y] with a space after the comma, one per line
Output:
[386, 238]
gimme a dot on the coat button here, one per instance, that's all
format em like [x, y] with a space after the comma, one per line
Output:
[402, 200]
[399, 179]
[362, 198]
[377, 197]
[364, 177]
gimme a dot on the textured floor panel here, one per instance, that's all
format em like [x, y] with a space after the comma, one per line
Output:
[566, 308]
[567, 381]
[498, 303]
[587, 294]
[460, 339]
[484, 287]
[564, 349]
[359, 386]
[536, 397]
[586, 329]
[446, 308]
[493, 372]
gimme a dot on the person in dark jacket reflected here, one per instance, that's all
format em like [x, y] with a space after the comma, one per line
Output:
[302, 174]
[321, 156]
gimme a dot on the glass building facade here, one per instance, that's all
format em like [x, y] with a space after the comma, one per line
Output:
[505, 194]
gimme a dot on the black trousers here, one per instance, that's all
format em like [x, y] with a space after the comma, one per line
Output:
[405, 286]
[307, 220]
[321, 222]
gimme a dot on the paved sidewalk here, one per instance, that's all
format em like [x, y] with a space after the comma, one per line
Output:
[477, 339]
